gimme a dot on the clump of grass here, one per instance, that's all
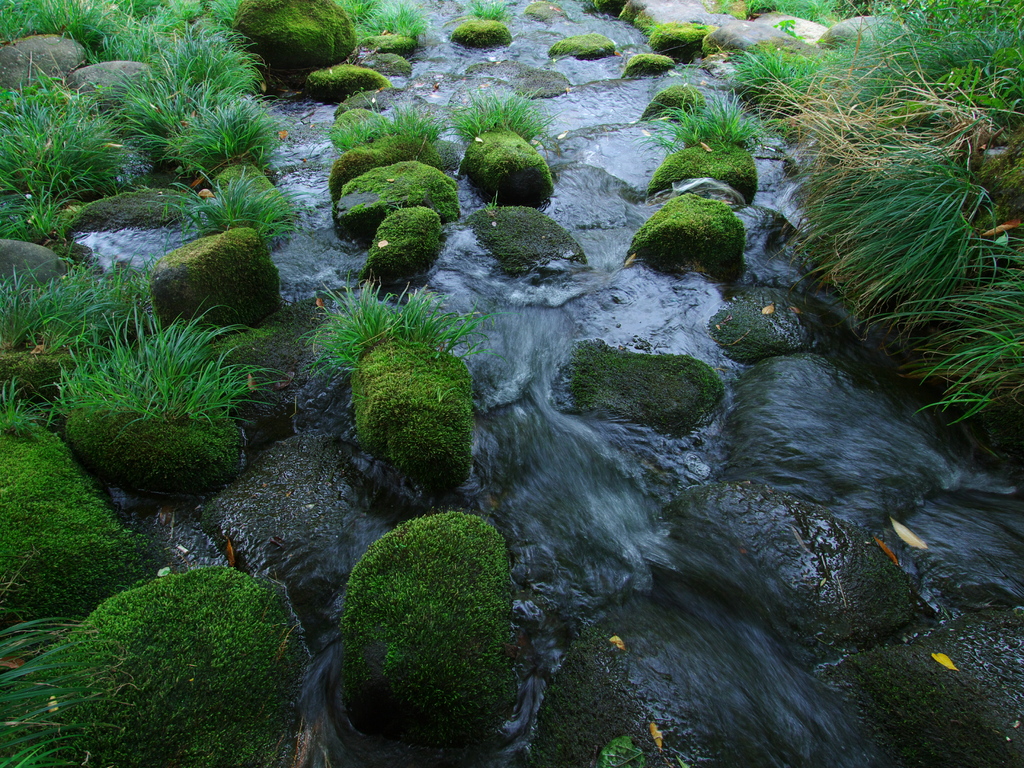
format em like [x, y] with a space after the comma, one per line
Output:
[34, 218]
[233, 131]
[397, 17]
[203, 54]
[776, 79]
[721, 121]
[492, 110]
[85, 21]
[155, 112]
[405, 121]
[242, 202]
[491, 10]
[825, 12]
[18, 416]
[359, 11]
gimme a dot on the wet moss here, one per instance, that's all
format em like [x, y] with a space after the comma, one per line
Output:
[541, 11]
[387, 150]
[427, 616]
[507, 168]
[376, 101]
[296, 34]
[481, 33]
[680, 41]
[389, 64]
[343, 80]
[401, 45]
[522, 239]
[406, 243]
[197, 669]
[531, 82]
[611, 7]
[686, 97]
[671, 393]
[647, 64]
[37, 375]
[733, 165]
[747, 334]
[245, 170]
[588, 46]
[142, 209]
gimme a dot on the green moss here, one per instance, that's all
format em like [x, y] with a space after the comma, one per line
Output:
[588, 46]
[638, 18]
[691, 232]
[375, 101]
[746, 334]
[37, 375]
[387, 150]
[407, 243]
[680, 41]
[197, 670]
[296, 34]
[671, 393]
[733, 165]
[505, 167]
[427, 616]
[522, 239]
[414, 407]
[368, 198]
[347, 116]
[61, 546]
[227, 278]
[686, 97]
[156, 455]
[344, 80]
[143, 209]
[244, 170]
[646, 64]
[481, 33]
[541, 11]
[612, 7]
[1003, 177]
[402, 45]
[389, 64]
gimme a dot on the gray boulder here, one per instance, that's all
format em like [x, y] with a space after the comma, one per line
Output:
[744, 35]
[25, 59]
[805, 30]
[682, 11]
[850, 31]
[110, 78]
[19, 256]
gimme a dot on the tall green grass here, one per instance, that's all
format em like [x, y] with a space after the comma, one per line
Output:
[235, 130]
[826, 12]
[721, 121]
[397, 17]
[406, 121]
[241, 202]
[492, 10]
[19, 416]
[775, 79]
[499, 110]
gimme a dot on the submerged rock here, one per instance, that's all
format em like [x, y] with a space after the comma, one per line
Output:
[522, 238]
[532, 82]
[757, 324]
[542, 11]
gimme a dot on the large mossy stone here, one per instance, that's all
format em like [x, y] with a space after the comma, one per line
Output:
[673, 394]
[389, 64]
[400, 45]
[227, 279]
[611, 7]
[407, 242]
[522, 238]
[541, 11]
[39, 55]
[481, 33]
[531, 82]
[692, 233]
[647, 65]
[507, 169]
[296, 34]
[414, 407]
[62, 549]
[37, 374]
[196, 669]
[682, 42]
[426, 620]
[733, 165]
[386, 150]
[370, 197]
[588, 46]
[142, 209]
[155, 455]
[343, 80]
[685, 97]
[758, 324]
[22, 257]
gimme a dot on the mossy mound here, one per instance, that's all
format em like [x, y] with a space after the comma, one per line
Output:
[196, 669]
[588, 46]
[227, 279]
[387, 150]
[427, 616]
[481, 33]
[62, 549]
[143, 209]
[673, 394]
[531, 82]
[244, 171]
[154, 455]
[691, 232]
[368, 198]
[349, 116]
[389, 64]
[37, 375]
[296, 34]
[541, 11]
[758, 324]
[647, 65]
[375, 101]
[343, 80]
[522, 238]
[400, 45]
[611, 7]
[733, 165]
[406, 243]
[507, 169]
[680, 41]
[414, 407]
[686, 97]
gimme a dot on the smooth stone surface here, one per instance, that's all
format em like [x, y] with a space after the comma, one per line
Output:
[19, 256]
[49, 55]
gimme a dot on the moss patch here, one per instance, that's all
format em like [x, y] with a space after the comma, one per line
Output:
[143, 209]
[505, 167]
[611, 7]
[647, 64]
[758, 324]
[344, 80]
[481, 33]
[407, 243]
[680, 41]
[389, 64]
[401, 45]
[687, 97]
[522, 239]
[1003, 177]
[37, 375]
[541, 11]
[733, 165]
[296, 34]
[387, 150]
[247, 171]
[588, 46]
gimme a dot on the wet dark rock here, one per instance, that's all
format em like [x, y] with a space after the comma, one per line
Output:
[48, 55]
[525, 80]
[375, 101]
[19, 256]
[143, 209]
[522, 238]
[757, 324]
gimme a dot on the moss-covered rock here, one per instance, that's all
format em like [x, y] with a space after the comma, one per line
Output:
[376, 101]
[531, 82]
[506, 168]
[195, 669]
[348, 116]
[389, 64]
[228, 279]
[588, 46]
[343, 80]
[758, 324]
[522, 239]
[37, 375]
[368, 198]
[686, 97]
[691, 232]
[733, 165]
[386, 150]
[247, 171]
[296, 34]
[156, 455]
[427, 616]
[414, 407]
[143, 209]
[680, 41]
[401, 45]
[406, 243]
[611, 7]
[62, 549]
[1003, 176]
[673, 394]
[647, 65]
[541, 11]
[481, 33]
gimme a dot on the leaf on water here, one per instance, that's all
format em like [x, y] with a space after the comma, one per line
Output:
[229, 550]
[568, 89]
[382, 244]
[629, 260]
[282, 135]
[885, 548]
[1004, 227]
[768, 310]
[645, 132]
[945, 661]
[705, 147]
[617, 642]
[617, 53]
[656, 735]
[206, 194]
[908, 536]
[563, 134]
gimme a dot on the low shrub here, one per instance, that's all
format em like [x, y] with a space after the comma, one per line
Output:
[233, 131]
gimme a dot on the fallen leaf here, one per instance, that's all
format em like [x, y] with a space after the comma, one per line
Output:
[705, 147]
[886, 549]
[53, 704]
[568, 89]
[38, 349]
[391, 180]
[795, 311]
[250, 382]
[563, 134]
[945, 661]
[617, 642]
[206, 194]
[112, 145]
[479, 139]
[629, 260]
[908, 535]
[282, 135]
[382, 244]
[770, 309]
[1006, 226]
[656, 735]
[229, 550]
[319, 302]
[617, 53]
[645, 132]
[11, 663]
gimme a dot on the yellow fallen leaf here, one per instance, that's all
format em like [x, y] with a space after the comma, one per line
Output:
[657, 736]
[885, 548]
[945, 661]
[645, 132]
[629, 260]
[563, 134]
[382, 244]
[617, 642]
[705, 147]
[768, 310]
[112, 145]
[391, 180]
[53, 704]
[282, 135]
[795, 311]
[479, 139]
[908, 536]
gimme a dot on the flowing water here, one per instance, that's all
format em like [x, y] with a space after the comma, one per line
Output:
[578, 497]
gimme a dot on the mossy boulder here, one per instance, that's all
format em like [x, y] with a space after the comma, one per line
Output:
[522, 238]
[406, 243]
[369, 198]
[685, 97]
[758, 324]
[481, 33]
[414, 407]
[343, 80]
[22, 257]
[189, 456]
[541, 11]
[692, 233]
[296, 34]
[37, 375]
[1003, 177]
[611, 7]
[62, 549]
[673, 394]
[227, 279]
[386, 150]
[195, 669]
[238, 171]
[389, 64]
[588, 46]
[508, 169]
[142, 209]
[400, 45]
[733, 165]
[680, 41]
[531, 82]
[426, 620]
[647, 65]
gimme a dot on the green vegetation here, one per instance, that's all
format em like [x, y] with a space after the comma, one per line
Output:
[17, 415]
[588, 46]
[343, 80]
[523, 238]
[498, 110]
[492, 10]
[647, 64]
[406, 243]
[826, 12]
[297, 34]
[385, 151]
[234, 131]
[773, 78]
[507, 169]
[684, 97]
[405, 122]
[721, 121]
[682, 42]
[401, 18]
[245, 199]
[427, 616]
[482, 33]
[758, 324]
[733, 165]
